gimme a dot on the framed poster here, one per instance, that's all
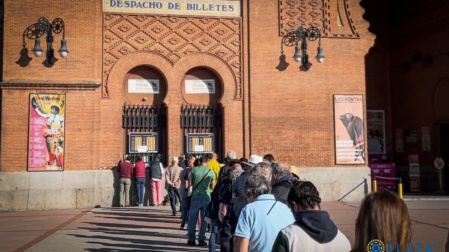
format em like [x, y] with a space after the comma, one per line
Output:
[46, 132]
[348, 129]
[200, 142]
[143, 142]
[375, 120]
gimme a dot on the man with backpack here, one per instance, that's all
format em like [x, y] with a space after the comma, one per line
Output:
[226, 214]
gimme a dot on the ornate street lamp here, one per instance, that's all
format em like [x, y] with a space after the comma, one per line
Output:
[299, 39]
[41, 27]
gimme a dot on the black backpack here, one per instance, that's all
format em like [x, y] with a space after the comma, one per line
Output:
[213, 207]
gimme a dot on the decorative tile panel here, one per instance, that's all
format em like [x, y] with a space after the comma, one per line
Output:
[173, 37]
[295, 13]
[321, 14]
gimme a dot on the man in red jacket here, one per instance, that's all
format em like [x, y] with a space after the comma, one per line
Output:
[139, 173]
[126, 171]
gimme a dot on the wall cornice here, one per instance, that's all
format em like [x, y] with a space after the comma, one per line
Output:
[40, 85]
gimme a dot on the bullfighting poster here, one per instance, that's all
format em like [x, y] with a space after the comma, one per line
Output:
[349, 132]
[376, 131]
[46, 132]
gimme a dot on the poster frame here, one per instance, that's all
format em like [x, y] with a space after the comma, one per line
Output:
[384, 137]
[30, 107]
[359, 106]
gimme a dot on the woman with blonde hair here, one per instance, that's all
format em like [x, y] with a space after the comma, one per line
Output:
[382, 216]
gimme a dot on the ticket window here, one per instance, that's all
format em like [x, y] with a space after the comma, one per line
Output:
[144, 144]
[145, 132]
[144, 118]
[202, 116]
[200, 144]
[202, 129]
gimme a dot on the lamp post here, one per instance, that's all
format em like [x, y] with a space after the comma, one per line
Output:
[41, 27]
[299, 39]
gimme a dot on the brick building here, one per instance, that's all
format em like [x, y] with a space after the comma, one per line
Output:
[182, 75]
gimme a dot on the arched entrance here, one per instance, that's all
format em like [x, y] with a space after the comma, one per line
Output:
[202, 114]
[144, 114]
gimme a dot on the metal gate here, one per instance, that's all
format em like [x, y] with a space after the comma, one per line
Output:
[146, 131]
[202, 124]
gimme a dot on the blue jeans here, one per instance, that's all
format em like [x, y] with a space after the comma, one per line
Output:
[197, 205]
[185, 206]
[173, 193]
[140, 187]
[213, 235]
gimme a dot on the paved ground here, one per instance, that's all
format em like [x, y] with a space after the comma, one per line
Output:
[154, 229]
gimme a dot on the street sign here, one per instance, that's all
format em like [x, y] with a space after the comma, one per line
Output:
[439, 163]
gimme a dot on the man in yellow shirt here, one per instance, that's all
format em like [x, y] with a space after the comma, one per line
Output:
[214, 166]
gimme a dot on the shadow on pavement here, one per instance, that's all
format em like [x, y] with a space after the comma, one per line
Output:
[133, 229]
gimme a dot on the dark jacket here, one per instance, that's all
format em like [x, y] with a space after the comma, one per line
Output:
[230, 223]
[317, 224]
[281, 188]
[313, 230]
[182, 164]
[155, 170]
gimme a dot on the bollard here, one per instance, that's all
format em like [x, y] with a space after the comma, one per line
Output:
[375, 185]
[400, 189]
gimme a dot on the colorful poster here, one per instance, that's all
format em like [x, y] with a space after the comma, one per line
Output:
[349, 132]
[46, 132]
[376, 131]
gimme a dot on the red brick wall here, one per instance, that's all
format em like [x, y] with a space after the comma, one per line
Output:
[82, 132]
[292, 111]
[83, 35]
[83, 146]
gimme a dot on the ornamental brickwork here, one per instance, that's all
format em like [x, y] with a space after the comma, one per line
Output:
[173, 38]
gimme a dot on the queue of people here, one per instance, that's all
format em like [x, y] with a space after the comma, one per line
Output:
[259, 205]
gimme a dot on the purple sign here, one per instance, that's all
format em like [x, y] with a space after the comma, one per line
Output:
[385, 170]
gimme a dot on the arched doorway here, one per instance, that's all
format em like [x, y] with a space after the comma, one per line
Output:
[145, 114]
[202, 114]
